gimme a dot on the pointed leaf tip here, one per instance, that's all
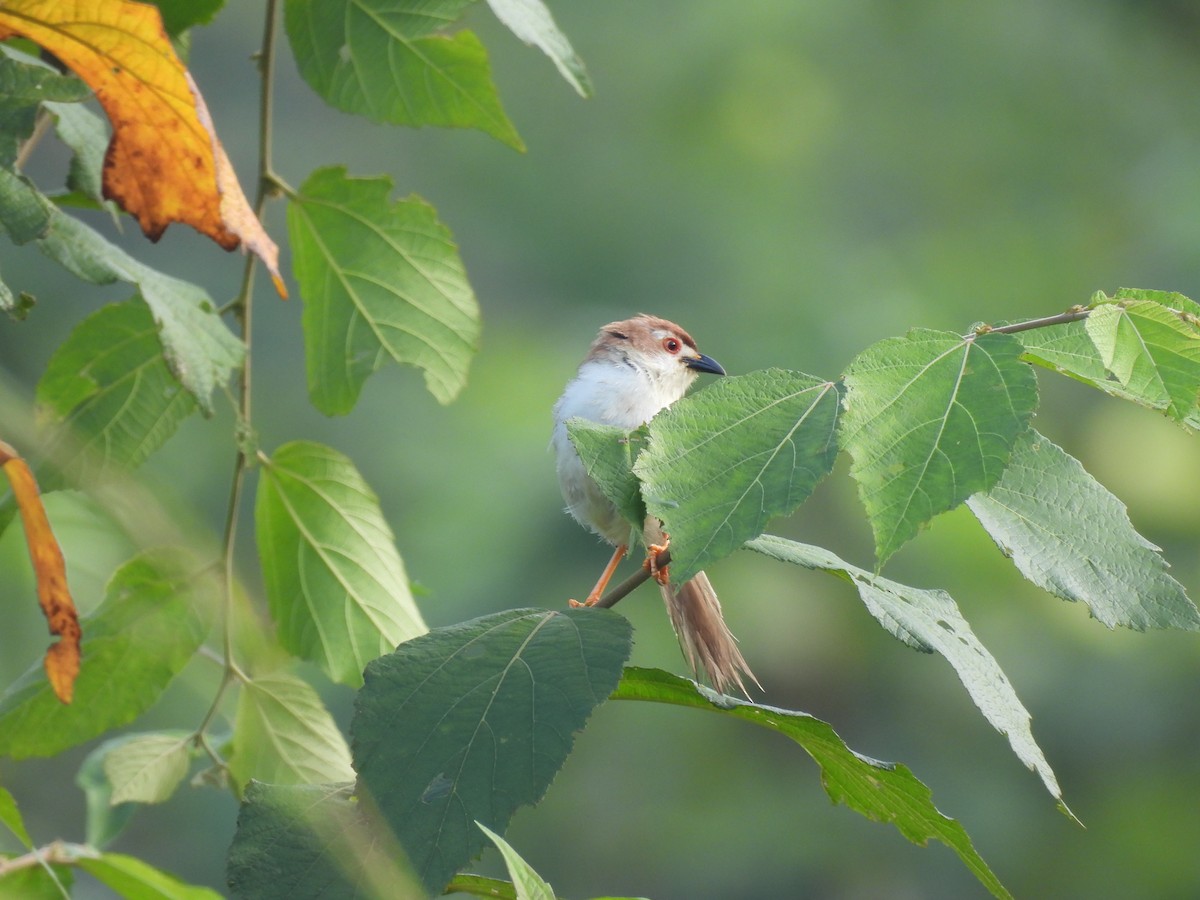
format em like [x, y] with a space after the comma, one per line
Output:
[930, 419]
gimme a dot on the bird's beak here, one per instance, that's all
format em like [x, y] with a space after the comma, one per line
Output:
[704, 363]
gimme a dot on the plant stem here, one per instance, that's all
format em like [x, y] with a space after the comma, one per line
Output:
[41, 125]
[242, 308]
[627, 587]
[1071, 315]
[58, 853]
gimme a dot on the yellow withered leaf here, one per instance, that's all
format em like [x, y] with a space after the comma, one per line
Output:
[164, 163]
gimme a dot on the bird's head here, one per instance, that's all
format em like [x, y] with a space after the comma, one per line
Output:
[659, 350]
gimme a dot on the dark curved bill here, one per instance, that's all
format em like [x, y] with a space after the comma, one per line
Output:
[704, 363]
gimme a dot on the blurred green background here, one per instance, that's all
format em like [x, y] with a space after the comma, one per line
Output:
[791, 181]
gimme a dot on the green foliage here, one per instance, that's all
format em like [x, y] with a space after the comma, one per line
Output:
[929, 620]
[528, 884]
[1084, 352]
[153, 619]
[930, 419]
[336, 584]
[531, 21]
[10, 816]
[521, 684]
[198, 348]
[146, 768]
[105, 819]
[456, 729]
[1152, 351]
[180, 15]
[384, 60]
[290, 841]
[736, 473]
[608, 454]
[885, 792]
[46, 883]
[132, 878]
[382, 282]
[25, 214]
[284, 735]
[87, 137]
[22, 87]
[109, 394]
[1070, 536]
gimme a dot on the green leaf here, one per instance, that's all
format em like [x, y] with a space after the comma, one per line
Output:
[608, 453]
[336, 585]
[110, 394]
[310, 842]
[520, 684]
[929, 620]
[883, 792]
[531, 21]
[723, 462]
[381, 59]
[1153, 351]
[283, 734]
[10, 816]
[36, 883]
[381, 282]
[136, 880]
[105, 820]
[1068, 350]
[1170, 299]
[85, 133]
[180, 15]
[147, 768]
[1069, 535]
[482, 886]
[200, 350]
[25, 212]
[154, 617]
[23, 87]
[930, 419]
[528, 883]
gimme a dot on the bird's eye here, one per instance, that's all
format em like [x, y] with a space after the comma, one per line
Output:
[671, 345]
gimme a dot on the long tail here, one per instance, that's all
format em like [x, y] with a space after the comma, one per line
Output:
[707, 641]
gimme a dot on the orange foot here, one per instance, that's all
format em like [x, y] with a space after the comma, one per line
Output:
[594, 594]
[660, 573]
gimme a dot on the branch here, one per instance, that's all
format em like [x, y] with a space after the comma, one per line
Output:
[1074, 314]
[627, 587]
[59, 853]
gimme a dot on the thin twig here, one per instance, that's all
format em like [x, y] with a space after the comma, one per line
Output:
[242, 308]
[1071, 315]
[58, 853]
[634, 581]
[40, 127]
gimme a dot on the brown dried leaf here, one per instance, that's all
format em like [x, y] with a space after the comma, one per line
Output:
[62, 658]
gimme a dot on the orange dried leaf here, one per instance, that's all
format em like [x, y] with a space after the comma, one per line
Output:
[62, 658]
[164, 163]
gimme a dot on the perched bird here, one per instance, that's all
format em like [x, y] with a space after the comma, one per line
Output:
[634, 369]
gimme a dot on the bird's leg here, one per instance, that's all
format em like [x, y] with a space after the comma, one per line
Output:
[605, 577]
[659, 573]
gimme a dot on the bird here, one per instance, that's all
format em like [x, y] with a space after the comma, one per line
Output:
[634, 369]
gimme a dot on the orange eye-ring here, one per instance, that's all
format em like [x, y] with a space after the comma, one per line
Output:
[671, 345]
